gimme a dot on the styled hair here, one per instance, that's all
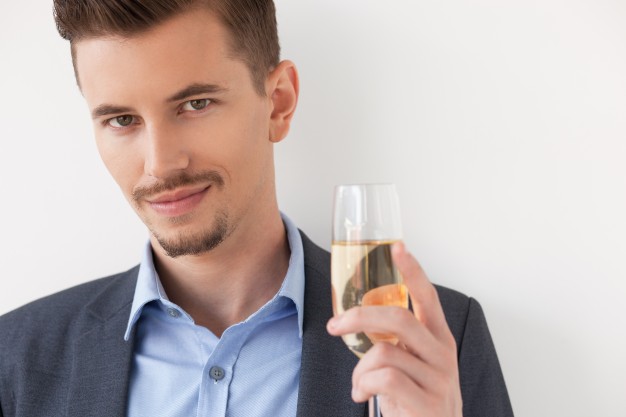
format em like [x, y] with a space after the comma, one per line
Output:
[251, 25]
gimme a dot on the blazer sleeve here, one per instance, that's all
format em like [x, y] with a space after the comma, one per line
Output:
[482, 384]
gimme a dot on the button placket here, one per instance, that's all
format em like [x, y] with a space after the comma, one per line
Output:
[217, 373]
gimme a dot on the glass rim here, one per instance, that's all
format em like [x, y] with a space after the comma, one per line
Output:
[366, 184]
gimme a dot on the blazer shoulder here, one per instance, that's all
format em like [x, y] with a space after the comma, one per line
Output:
[43, 343]
[60, 312]
[482, 384]
[76, 296]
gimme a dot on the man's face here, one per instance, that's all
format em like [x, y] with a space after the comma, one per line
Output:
[181, 128]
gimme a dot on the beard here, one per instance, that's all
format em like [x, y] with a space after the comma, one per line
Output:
[190, 243]
[186, 242]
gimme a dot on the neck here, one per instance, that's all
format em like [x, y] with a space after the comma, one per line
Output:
[226, 285]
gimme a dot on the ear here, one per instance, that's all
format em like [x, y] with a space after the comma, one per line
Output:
[282, 88]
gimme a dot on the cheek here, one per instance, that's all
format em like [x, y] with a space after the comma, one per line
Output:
[254, 137]
[121, 163]
[238, 141]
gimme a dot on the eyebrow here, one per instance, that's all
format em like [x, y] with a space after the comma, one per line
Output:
[196, 89]
[107, 109]
[189, 91]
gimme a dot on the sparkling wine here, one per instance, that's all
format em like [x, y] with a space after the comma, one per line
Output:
[363, 274]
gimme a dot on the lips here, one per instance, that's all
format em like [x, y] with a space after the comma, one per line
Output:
[176, 195]
[178, 202]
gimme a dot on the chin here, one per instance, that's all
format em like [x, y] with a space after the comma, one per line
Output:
[192, 242]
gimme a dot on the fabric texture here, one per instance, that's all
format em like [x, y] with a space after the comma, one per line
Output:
[65, 355]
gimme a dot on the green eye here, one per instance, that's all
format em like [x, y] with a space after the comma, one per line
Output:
[198, 104]
[124, 120]
[121, 121]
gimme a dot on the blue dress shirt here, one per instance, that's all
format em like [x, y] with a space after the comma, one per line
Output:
[182, 369]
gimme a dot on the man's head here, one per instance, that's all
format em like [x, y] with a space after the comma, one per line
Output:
[182, 122]
[251, 25]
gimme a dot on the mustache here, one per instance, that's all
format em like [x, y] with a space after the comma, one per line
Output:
[180, 180]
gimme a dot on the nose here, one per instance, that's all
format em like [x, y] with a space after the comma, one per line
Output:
[165, 153]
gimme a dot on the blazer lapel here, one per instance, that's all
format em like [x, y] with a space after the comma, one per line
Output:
[102, 359]
[327, 364]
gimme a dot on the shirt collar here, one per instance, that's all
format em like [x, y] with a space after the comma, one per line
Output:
[149, 286]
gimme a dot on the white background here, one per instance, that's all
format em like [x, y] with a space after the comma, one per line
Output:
[502, 123]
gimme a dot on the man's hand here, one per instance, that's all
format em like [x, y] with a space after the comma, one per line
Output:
[419, 376]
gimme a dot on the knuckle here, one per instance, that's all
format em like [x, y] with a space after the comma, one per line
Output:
[444, 382]
[437, 382]
[387, 377]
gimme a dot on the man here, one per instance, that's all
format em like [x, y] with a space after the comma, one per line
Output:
[229, 311]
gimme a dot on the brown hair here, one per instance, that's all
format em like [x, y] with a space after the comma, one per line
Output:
[250, 23]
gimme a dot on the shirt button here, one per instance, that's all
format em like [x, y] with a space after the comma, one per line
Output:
[173, 312]
[217, 373]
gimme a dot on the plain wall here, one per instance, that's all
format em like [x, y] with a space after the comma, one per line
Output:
[501, 122]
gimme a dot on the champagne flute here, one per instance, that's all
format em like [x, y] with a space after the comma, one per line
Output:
[366, 223]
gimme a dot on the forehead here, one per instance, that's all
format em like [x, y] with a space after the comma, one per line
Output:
[190, 47]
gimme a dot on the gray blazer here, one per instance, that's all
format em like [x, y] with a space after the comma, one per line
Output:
[65, 355]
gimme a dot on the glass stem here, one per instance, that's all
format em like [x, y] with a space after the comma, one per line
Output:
[374, 407]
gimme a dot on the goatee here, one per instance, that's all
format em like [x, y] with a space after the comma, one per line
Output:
[195, 243]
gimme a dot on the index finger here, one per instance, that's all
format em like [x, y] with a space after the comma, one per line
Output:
[424, 298]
